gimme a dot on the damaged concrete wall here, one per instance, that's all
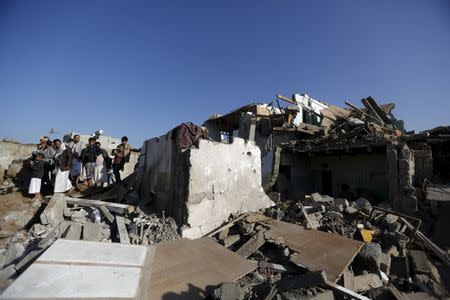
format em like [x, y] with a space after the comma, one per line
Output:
[155, 167]
[223, 179]
[202, 186]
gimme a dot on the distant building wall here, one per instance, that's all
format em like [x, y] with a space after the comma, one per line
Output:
[10, 151]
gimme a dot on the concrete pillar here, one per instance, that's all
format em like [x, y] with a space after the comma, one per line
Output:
[247, 127]
[406, 197]
[392, 171]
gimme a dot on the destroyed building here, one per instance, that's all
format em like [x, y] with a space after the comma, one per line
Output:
[311, 146]
[300, 201]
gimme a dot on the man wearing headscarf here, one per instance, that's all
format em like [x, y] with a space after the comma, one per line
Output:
[63, 162]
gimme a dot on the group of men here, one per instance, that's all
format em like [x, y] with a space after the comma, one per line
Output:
[64, 166]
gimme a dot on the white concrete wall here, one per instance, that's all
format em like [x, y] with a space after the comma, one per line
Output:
[224, 179]
[219, 179]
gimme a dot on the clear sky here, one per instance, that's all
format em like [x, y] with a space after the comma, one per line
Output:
[139, 68]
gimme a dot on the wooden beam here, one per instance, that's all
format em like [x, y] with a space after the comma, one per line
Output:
[284, 98]
[115, 207]
[253, 244]
[228, 225]
[372, 111]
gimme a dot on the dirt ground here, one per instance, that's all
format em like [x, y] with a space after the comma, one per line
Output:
[16, 212]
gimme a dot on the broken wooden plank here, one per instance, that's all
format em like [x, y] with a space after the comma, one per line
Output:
[181, 265]
[109, 216]
[116, 207]
[123, 232]
[253, 244]
[378, 110]
[228, 225]
[316, 250]
[372, 111]
[284, 98]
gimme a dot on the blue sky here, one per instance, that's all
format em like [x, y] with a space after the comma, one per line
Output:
[139, 68]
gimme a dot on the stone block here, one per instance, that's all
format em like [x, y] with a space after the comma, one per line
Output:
[369, 258]
[366, 282]
[53, 214]
[76, 270]
[419, 262]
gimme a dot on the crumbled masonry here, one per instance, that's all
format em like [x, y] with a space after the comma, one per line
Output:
[302, 201]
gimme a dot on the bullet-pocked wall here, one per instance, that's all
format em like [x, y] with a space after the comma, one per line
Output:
[201, 186]
[303, 173]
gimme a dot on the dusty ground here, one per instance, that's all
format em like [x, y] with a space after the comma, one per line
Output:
[16, 211]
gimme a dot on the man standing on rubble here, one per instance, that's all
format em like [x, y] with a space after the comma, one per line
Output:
[63, 162]
[76, 147]
[121, 157]
[88, 157]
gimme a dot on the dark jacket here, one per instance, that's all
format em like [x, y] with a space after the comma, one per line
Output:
[37, 169]
[89, 154]
[64, 161]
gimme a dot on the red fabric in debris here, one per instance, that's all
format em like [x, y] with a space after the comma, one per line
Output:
[188, 134]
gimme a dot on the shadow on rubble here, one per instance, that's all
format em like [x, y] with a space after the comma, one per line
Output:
[193, 292]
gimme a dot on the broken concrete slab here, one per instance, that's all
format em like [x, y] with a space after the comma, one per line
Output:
[369, 258]
[55, 281]
[385, 263]
[73, 232]
[53, 213]
[115, 269]
[229, 291]
[231, 240]
[366, 282]
[419, 262]
[91, 232]
[122, 229]
[306, 280]
[315, 293]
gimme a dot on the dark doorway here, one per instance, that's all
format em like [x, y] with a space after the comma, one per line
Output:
[327, 182]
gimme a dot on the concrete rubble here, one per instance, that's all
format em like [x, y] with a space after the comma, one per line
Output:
[306, 201]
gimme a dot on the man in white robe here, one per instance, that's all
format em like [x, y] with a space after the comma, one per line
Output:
[63, 162]
[75, 170]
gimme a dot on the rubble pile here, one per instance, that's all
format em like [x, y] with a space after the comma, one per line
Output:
[79, 219]
[391, 261]
[344, 128]
[308, 201]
